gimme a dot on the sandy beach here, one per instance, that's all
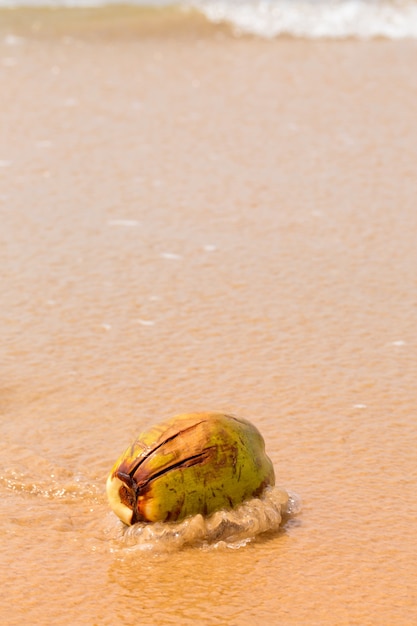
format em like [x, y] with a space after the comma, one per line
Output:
[193, 221]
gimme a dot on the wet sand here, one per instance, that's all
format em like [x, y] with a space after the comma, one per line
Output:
[201, 222]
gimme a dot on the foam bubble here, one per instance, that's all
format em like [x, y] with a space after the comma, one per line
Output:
[232, 529]
[146, 322]
[171, 256]
[316, 19]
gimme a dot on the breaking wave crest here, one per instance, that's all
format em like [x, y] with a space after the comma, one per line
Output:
[232, 529]
[310, 19]
[315, 19]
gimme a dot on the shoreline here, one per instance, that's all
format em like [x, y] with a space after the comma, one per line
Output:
[129, 22]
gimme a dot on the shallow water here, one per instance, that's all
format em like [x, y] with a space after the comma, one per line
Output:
[315, 19]
[194, 223]
[227, 528]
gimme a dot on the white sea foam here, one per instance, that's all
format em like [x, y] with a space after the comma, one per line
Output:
[316, 18]
[393, 19]
[171, 256]
[146, 322]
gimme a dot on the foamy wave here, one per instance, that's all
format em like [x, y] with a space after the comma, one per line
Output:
[311, 19]
[316, 18]
[225, 528]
